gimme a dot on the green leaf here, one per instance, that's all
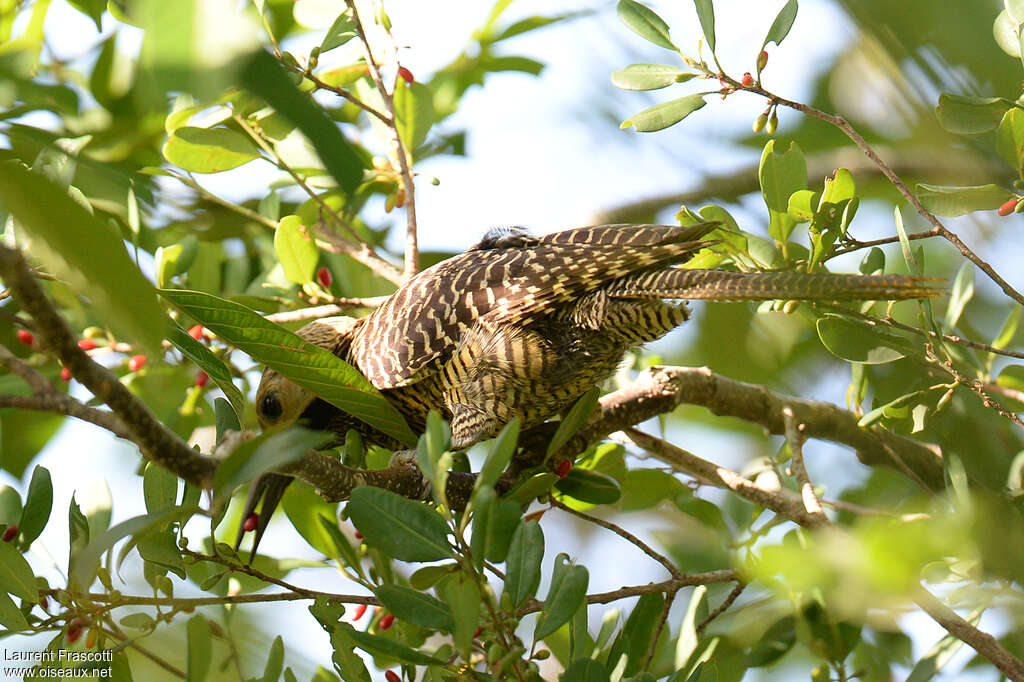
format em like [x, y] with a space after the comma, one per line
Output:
[161, 548]
[525, 552]
[502, 519]
[85, 253]
[275, 661]
[296, 249]
[783, 22]
[585, 670]
[781, 175]
[414, 113]
[706, 16]
[1007, 34]
[315, 369]
[262, 454]
[212, 365]
[348, 663]
[265, 77]
[10, 505]
[463, 595]
[574, 420]
[567, 592]
[159, 488]
[208, 150]
[415, 607]
[776, 641]
[662, 116]
[645, 23]
[687, 642]
[970, 115]
[645, 488]
[953, 201]
[635, 637]
[175, 259]
[16, 575]
[341, 31]
[649, 77]
[199, 648]
[803, 204]
[502, 449]
[381, 646]
[309, 514]
[960, 295]
[855, 342]
[592, 487]
[406, 530]
[38, 504]
[1010, 139]
[428, 576]
[11, 617]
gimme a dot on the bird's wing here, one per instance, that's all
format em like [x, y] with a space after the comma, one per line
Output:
[505, 279]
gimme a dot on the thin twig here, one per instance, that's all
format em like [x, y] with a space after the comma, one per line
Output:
[624, 534]
[848, 130]
[795, 438]
[723, 607]
[340, 305]
[412, 254]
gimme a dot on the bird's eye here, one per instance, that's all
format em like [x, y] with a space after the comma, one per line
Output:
[270, 407]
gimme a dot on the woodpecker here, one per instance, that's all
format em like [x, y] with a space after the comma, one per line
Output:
[522, 325]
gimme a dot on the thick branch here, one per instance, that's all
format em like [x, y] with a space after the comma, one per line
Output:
[157, 443]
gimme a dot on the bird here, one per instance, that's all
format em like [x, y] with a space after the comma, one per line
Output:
[520, 326]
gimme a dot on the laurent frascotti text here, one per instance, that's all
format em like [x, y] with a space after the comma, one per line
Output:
[59, 656]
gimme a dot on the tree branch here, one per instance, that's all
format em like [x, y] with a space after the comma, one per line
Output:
[157, 443]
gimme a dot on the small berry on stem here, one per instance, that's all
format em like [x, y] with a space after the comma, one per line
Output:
[65, 374]
[392, 676]
[360, 610]
[26, 337]
[405, 74]
[251, 521]
[1007, 208]
[196, 331]
[74, 630]
[563, 468]
[136, 362]
[386, 621]
[202, 379]
[10, 533]
[86, 344]
[748, 80]
[323, 275]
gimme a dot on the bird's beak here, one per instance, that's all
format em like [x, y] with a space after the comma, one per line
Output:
[270, 489]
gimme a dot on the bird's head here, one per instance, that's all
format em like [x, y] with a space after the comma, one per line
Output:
[280, 401]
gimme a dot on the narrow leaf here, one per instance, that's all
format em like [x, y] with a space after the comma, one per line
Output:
[523, 562]
[783, 22]
[645, 23]
[199, 647]
[209, 363]
[568, 590]
[649, 77]
[296, 249]
[38, 504]
[706, 15]
[16, 575]
[415, 607]
[208, 150]
[662, 116]
[970, 115]
[960, 295]
[951, 201]
[574, 420]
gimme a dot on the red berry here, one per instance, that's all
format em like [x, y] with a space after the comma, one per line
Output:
[477, 633]
[1005, 209]
[405, 74]
[196, 331]
[386, 621]
[251, 521]
[74, 630]
[359, 536]
[202, 378]
[748, 80]
[136, 362]
[86, 344]
[65, 374]
[360, 610]
[44, 602]
[25, 336]
[10, 533]
[563, 468]
[392, 676]
[323, 275]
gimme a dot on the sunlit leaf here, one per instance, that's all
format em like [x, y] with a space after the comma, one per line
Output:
[645, 23]
[649, 76]
[954, 201]
[662, 116]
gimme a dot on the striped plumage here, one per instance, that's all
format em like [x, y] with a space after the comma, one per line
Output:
[521, 326]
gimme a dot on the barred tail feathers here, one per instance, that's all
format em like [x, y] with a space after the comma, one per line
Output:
[724, 285]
